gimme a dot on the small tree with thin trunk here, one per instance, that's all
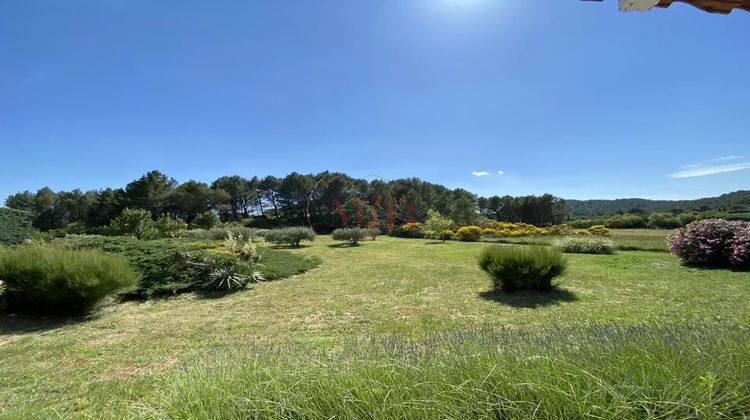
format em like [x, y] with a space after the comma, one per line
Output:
[438, 225]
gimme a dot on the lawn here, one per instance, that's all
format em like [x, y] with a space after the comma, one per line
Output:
[624, 239]
[126, 360]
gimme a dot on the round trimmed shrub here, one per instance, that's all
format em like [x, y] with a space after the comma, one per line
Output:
[351, 235]
[713, 243]
[51, 279]
[291, 236]
[586, 245]
[522, 267]
[469, 233]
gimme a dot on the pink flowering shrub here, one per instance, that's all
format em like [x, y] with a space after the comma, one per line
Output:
[714, 243]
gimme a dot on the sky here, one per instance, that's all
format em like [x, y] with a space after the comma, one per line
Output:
[501, 97]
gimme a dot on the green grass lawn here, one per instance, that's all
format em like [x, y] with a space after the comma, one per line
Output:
[640, 239]
[124, 360]
[624, 239]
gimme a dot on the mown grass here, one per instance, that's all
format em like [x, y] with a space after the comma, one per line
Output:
[641, 239]
[654, 240]
[597, 371]
[115, 362]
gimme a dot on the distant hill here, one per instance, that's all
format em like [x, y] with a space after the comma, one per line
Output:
[735, 202]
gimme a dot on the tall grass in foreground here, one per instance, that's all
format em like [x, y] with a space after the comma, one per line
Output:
[599, 371]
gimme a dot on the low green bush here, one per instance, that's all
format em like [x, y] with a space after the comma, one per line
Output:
[224, 271]
[222, 233]
[206, 220]
[169, 227]
[15, 226]
[522, 267]
[160, 262]
[663, 221]
[134, 222]
[626, 221]
[168, 267]
[53, 279]
[586, 245]
[291, 236]
[139, 224]
[2, 295]
[350, 235]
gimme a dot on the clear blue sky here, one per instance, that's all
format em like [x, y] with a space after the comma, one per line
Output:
[568, 97]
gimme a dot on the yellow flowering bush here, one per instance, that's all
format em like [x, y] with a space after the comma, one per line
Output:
[470, 233]
[598, 230]
[410, 230]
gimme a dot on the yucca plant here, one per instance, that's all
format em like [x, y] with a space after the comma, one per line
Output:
[223, 271]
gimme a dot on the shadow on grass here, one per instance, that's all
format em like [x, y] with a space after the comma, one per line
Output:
[288, 246]
[14, 324]
[435, 243]
[219, 293]
[343, 245]
[529, 298]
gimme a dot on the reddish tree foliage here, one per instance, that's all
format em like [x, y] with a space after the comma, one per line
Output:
[360, 212]
[410, 211]
[374, 223]
[390, 213]
[341, 212]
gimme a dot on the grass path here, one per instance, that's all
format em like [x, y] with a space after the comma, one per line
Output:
[411, 287]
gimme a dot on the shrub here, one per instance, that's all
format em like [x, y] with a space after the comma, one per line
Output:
[687, 218]
[409, 230]
[206, 220]
[469, 233]
[52, 279]
[168, 227]
[489, 231]
[589, 245]
[438, 226]
[160, 262]
[291, 236]
[168, 267]
[2, 295]
[223, 271]
[626, 221]
[221, 233]
[663, 221]
[134, 222]
[242, 248]
[560, 229]
[713, 243]
[515, 230]
[522, 267]
[598, 230]
[351, 235]
[15, 226]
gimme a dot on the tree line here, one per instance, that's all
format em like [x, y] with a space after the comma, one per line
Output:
[325, 201]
